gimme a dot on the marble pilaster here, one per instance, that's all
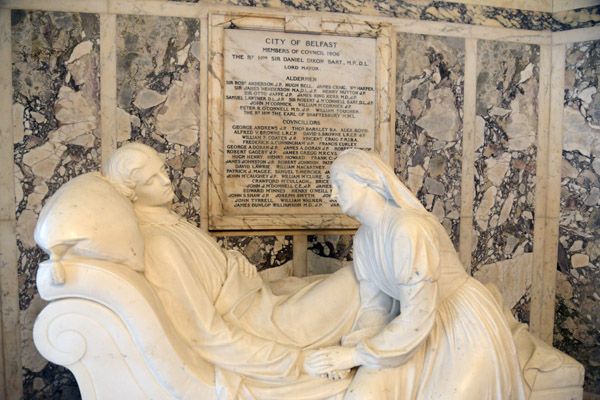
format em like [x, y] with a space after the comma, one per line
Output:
[468, 155]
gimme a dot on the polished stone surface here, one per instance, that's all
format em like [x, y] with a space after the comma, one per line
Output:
[577, 318]
[158, 81]
[505, 164]
[56, 118]
[425, 10]
[328, 253]
[429, 106]
[263, 251]
[578, 18]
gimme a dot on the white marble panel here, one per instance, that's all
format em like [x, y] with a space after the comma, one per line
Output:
[108, 85]
[541, 190]
[153, 7]
[217, 200]
[468, 154]
[576, 35]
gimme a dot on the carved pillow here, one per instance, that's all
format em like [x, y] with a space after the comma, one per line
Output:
[87, 217]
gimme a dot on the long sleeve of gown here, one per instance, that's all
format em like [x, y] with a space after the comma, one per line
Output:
[376, 311]
[412, 256]
[194, 315]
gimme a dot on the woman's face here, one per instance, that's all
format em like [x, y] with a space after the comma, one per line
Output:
[348, 193]
[153, 186]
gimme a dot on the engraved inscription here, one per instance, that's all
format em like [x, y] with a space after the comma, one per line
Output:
[292, 103]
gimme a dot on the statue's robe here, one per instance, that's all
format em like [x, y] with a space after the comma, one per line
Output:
[425, 329]
[251, 331]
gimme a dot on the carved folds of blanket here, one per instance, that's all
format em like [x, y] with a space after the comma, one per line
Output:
[108, 327]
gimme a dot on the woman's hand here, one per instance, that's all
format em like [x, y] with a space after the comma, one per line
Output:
[331, 361]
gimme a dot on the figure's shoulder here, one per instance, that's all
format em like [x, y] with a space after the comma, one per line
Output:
[408, 224]
[157, 238]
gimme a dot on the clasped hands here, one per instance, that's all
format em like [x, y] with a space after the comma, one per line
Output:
[333, 362]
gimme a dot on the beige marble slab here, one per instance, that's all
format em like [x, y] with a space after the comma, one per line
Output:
[468, 154]
[11, 337]
[215, 121]
[546, 294]
[576, 35]
[541, 190]
[96, 6]
[142, 7]
[108, 85]
[298, 23]
[566, 5]
[204, 122]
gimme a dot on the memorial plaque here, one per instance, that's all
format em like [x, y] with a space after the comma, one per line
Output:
[292, 103]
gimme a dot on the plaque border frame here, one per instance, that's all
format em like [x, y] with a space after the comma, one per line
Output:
[218, 218]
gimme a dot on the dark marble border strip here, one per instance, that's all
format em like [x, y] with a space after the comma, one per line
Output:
[575, 19]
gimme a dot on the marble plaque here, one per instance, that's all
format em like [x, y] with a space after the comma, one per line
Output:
[292, 103]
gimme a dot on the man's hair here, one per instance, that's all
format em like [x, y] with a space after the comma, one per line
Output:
[123, 166]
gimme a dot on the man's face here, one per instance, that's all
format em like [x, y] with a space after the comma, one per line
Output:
[153, 186]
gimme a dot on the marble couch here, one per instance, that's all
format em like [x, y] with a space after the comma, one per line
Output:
[106, 324]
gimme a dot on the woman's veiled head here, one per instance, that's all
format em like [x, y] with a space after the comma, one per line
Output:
[368, 168]
[354, 164]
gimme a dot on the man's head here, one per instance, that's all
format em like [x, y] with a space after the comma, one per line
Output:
[138, 172]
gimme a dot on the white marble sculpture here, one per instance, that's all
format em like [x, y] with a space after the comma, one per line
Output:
[253, 333]
[425, 329]
[145, 305]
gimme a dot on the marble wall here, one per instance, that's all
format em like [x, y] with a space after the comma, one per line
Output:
[57, 135]
[429, 108]
[505, 167]
[577, 319]
[56, 104]
[158, 97]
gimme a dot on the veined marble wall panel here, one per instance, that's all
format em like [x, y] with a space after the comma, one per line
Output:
[429, 122]
[505, 166]
[577, 316]
[158, 97]
[263, 251]
[56, 120]
[574, 19]
[328, 253]
[426, 10]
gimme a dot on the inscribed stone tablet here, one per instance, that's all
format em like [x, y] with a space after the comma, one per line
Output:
[292, 103]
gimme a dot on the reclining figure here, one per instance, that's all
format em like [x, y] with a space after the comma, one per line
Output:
[255, 334]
